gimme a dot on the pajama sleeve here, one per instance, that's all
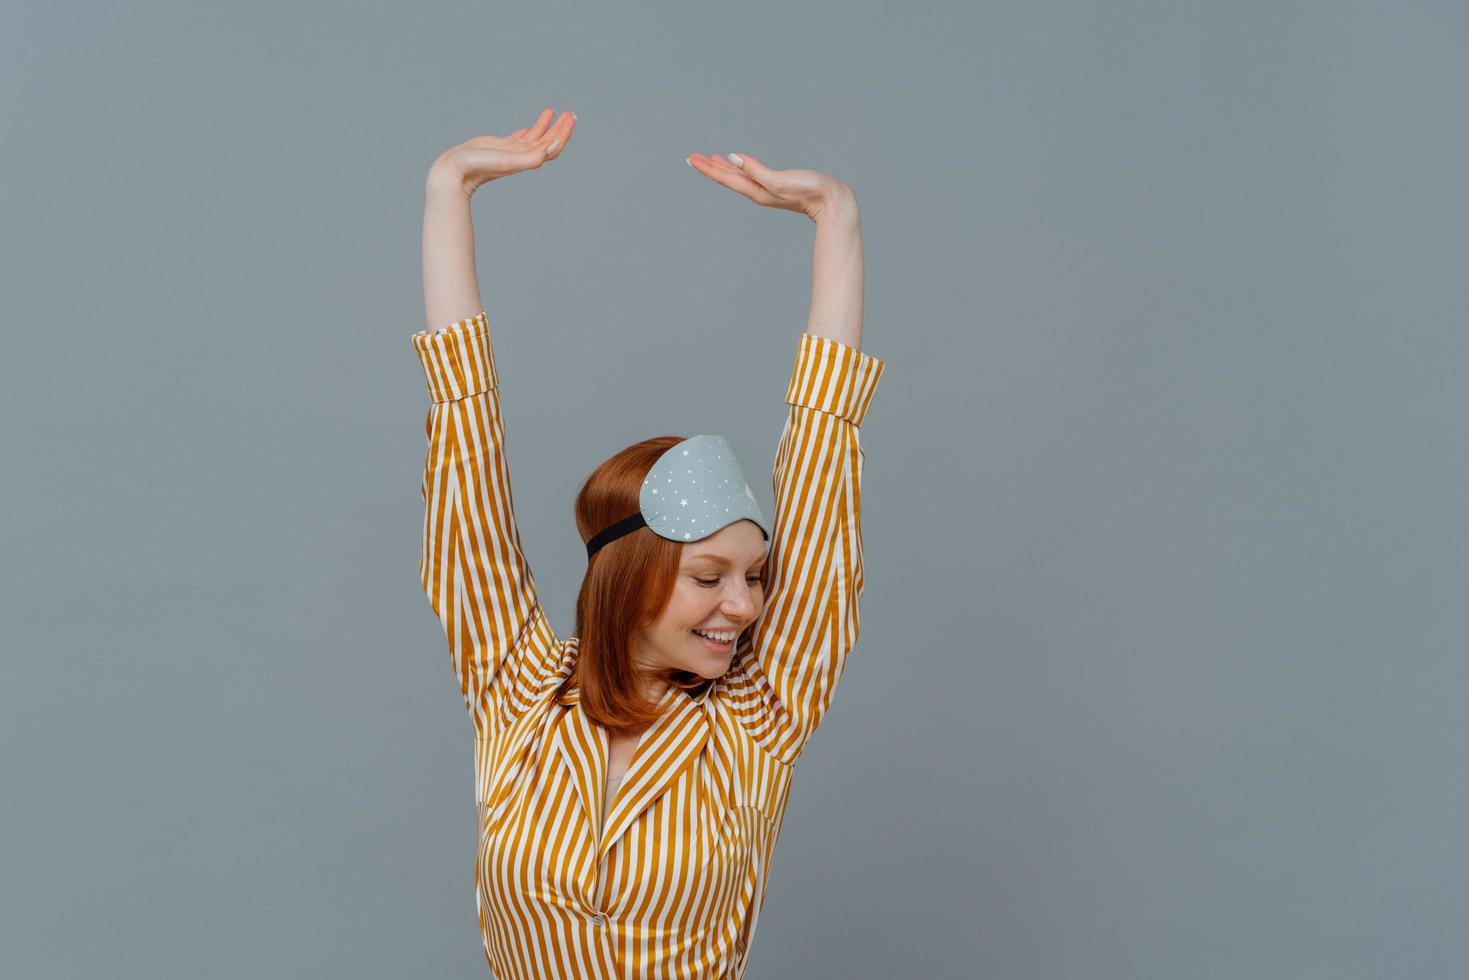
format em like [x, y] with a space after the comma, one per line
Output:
[471, 563]
[808, 626]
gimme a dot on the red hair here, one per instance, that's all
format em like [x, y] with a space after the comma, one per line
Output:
[626, 587]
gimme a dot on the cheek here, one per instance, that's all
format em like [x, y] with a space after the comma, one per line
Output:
[688, 609]
[694, 601]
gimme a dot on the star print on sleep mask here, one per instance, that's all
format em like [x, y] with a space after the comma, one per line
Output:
[694, 489]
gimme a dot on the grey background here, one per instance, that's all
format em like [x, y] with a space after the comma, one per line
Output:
[1162, 669]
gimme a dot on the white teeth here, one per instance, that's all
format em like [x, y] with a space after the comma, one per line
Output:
[718, 637]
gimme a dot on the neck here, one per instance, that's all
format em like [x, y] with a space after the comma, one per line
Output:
[655, 688]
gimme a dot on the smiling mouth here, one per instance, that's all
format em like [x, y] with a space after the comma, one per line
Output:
[712, 645]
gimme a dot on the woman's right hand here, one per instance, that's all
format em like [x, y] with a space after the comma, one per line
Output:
[485, 158]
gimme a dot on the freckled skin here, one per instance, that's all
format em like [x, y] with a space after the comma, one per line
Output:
[736, 601]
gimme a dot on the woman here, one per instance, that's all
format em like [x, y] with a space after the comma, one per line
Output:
[632, 779]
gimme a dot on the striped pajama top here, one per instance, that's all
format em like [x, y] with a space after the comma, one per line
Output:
[672, 885]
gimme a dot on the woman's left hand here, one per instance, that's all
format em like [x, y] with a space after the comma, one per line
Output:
[808, 192]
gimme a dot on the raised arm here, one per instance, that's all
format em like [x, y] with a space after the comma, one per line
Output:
[810, 620]
[798, 647]
[472, 565]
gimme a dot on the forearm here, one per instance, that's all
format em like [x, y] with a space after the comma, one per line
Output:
[836, 274]
[450, 285]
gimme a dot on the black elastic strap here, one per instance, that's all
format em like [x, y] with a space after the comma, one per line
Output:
[625, 526]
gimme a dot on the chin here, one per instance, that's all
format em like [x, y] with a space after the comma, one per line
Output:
[711, 668]
[702, 662]
[712, 672]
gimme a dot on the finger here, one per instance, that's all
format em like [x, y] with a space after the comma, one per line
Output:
[538, 129]
[530, 135]
[726, 166]
[755, 170]
[561, 134]
[727, 175]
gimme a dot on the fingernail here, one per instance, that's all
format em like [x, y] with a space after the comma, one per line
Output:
[552, 148]
[690, 162]
[734, 158]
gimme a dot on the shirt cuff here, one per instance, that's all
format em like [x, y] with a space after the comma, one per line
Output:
[833, 377]
[456, 360]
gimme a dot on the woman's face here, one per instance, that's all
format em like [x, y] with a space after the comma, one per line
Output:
[718, 590]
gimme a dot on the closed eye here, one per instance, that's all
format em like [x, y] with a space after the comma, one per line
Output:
[711, 582]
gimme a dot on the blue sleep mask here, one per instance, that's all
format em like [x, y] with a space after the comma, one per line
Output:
[694, 489]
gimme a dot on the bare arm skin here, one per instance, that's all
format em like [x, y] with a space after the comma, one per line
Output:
[450, 285]
[836, 274]
[836, 259]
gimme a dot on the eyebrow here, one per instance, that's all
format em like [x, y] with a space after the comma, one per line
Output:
[721, 560]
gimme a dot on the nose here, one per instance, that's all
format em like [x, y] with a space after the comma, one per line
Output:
[740, 602]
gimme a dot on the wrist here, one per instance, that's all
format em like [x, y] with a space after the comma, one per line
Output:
[446, 179]
[839, 206]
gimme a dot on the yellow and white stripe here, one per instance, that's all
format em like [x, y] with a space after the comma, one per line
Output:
[672, 885]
